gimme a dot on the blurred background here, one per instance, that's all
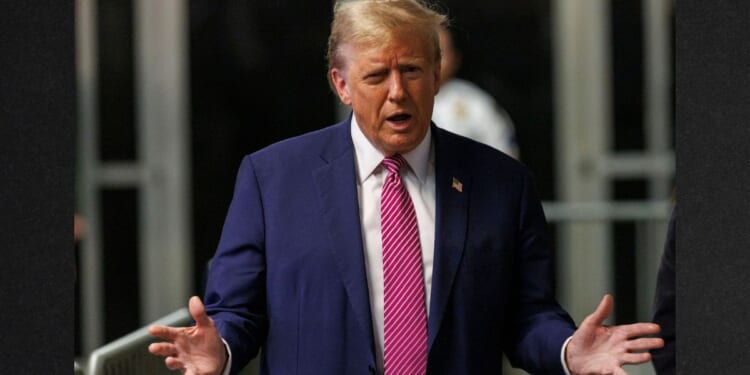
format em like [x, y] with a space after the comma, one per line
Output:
[173, 93]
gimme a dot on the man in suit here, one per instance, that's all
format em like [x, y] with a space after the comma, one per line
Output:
[386, 245]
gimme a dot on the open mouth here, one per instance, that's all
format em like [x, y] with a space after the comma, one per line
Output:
[400, 118]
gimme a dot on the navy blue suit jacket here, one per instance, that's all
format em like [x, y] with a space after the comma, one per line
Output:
[289, 273]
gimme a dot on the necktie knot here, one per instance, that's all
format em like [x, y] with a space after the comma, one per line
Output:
[394, 163]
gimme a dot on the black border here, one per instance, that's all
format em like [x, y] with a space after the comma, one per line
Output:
[713, 186]
[37, 134]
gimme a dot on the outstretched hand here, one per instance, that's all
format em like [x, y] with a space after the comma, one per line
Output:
[196, 350]
[599, 349]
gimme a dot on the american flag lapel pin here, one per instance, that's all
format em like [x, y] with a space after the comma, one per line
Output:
[456, 184]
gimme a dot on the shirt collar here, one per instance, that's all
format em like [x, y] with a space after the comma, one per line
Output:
[368, 158]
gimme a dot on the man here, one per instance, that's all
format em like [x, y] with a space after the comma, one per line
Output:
[465, 109]
[461, 273]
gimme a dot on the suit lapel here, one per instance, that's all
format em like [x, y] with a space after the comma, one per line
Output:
[337, 189]
[450, 226]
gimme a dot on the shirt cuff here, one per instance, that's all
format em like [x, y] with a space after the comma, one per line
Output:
[228, 366]
[562, 356]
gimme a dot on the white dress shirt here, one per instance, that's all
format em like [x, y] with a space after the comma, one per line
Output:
[419, 180]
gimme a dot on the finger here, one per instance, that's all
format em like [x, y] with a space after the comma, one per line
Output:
[619, 371]
[173, 363]
[162, 348]
[165, 332]
[198, 312]
[644, 344]
[637, 329]
[602, 312]
[635, 358]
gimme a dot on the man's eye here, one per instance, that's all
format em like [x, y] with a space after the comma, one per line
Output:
[374, 77]
[412, 71]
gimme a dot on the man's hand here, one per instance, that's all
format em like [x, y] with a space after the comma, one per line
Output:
[598, 349]
[196, 350]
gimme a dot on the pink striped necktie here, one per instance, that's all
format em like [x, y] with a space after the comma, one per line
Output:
[405, 315]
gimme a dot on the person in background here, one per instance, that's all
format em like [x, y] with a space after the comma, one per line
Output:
[385, 245]
[664, 303]
[464, 108]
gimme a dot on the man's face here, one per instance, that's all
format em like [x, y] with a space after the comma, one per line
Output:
[391, 90]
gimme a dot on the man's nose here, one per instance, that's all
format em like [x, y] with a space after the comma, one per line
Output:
[396, 90]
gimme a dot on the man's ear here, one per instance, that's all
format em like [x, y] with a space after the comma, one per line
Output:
[342, 88]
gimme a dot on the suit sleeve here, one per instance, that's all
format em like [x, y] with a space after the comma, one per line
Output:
[236, 286]
[539, 325]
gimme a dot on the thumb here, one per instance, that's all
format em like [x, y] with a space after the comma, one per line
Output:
[603, 311]
[198, 312]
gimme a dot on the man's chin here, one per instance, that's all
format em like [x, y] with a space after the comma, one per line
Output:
[400, 144]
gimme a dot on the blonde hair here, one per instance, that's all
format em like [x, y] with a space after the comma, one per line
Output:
[377, 22]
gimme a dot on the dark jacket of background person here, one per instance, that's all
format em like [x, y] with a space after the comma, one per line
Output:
[664, 304]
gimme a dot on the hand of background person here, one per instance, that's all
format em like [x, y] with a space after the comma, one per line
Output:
[599, 349]
[193, 350]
